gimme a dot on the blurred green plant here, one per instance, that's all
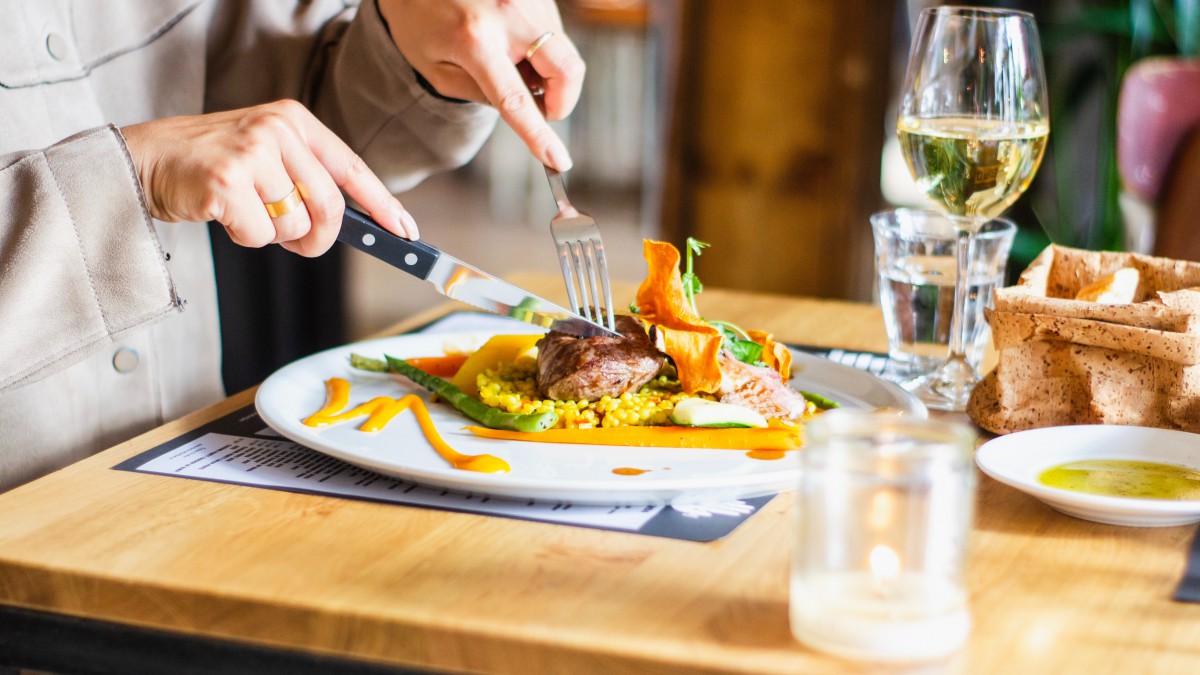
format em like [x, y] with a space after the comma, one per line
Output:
[1089, 44]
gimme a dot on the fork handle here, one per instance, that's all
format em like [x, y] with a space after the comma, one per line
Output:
[537, 89]
[558, 189]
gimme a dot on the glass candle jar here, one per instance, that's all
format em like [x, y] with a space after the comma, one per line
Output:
[882, 519]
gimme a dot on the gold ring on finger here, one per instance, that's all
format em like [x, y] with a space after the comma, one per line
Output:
[284, 206]
[537, 44]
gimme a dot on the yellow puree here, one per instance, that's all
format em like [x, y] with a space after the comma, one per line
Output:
[1125, 478]
[381, 409]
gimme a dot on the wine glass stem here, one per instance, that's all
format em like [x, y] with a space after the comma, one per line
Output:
[959, 326]
[956, 377]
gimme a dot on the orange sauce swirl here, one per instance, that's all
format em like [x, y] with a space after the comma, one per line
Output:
[381, 409]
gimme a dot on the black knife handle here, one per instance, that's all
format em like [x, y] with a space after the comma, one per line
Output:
[364, 234]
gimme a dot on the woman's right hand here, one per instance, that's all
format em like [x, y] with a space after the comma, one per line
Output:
[468, 49]
[227, 166]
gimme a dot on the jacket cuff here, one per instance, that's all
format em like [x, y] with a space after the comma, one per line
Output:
[370, 95]
[84, 212]
[375, 35]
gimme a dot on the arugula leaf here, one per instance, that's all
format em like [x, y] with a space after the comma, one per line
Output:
[746, 351]
[691, 283]
[742, 349]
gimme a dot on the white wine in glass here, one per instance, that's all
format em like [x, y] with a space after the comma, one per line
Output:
[972, 124]
[969, 166]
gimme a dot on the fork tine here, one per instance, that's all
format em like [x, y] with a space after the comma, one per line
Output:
[581, 276]
[589, 250]
[564, 261]
[602, 269]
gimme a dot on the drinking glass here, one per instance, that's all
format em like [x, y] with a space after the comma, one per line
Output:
[972, 124]
[914, 258]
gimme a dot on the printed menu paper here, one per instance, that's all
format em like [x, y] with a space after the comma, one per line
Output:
[240, 449]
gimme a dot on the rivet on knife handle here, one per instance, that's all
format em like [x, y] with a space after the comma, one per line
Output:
[364, 234]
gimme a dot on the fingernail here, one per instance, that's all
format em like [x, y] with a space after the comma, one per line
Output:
[407, 222]
[559, 157]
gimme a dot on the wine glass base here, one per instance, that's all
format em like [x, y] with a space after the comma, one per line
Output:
[936, 395]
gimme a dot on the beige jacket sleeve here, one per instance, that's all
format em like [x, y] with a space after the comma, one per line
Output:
[80, 264]
[351, 75]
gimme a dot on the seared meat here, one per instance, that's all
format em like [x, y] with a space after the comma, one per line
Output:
[589, 368]
[759, 389]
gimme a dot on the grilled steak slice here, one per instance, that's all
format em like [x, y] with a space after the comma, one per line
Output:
[589, 368]
[759, 389]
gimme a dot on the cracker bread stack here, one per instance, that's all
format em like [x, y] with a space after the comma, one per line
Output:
[1068, 361]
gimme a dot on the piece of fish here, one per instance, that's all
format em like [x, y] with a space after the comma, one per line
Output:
[759, 389]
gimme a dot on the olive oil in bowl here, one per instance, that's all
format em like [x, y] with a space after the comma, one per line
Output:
[1125, 478]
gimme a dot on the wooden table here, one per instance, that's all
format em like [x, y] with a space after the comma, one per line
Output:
[216, 575]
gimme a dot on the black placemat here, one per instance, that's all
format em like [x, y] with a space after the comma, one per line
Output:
[1189, 587]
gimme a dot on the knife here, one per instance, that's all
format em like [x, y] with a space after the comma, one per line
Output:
[460, 281]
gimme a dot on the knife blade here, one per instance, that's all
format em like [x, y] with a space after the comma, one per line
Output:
[457, 280]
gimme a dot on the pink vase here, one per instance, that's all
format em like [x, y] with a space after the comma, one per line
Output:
[1159, 105]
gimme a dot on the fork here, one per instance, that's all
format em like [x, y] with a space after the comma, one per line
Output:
[576, 236]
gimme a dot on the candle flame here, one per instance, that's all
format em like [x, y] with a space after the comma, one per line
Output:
[885, 564]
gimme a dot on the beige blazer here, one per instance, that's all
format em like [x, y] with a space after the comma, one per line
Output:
[108, 319]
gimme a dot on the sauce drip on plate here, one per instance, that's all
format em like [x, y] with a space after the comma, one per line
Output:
[629, 471]
[381, 409]
[766, 454]
[1125, 478]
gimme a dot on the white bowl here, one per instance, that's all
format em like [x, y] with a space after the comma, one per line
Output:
[1018, 459]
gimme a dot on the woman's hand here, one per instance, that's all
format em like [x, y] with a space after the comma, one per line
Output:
[467, 49]
[227, 166]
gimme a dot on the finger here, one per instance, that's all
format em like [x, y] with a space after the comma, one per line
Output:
[350, 173]
[324, 204]
[275, 185]
[240, 209]
[562, 70]
[263, 134]
[507, 91]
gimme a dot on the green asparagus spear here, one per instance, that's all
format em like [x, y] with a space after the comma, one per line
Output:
[367, 363]
[462, 401]
[820, 401]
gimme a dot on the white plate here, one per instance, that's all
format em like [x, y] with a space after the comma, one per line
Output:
[1018, 459]
[581, 474]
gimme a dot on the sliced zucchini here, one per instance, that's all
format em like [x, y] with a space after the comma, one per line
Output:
[699, 412]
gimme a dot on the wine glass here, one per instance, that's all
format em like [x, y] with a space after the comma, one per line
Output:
[972, 123]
